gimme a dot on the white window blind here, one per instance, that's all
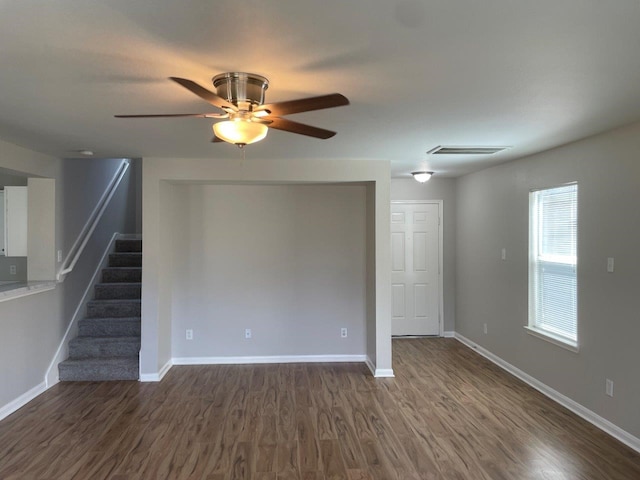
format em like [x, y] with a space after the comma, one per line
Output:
[553, 292]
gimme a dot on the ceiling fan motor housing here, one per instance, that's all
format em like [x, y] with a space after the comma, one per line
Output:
[241, 88]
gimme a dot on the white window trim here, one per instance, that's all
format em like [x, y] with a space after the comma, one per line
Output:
[548, 336]
[558, 340]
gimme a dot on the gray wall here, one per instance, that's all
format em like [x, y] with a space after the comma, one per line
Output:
[286, 261]
[492, 213]
[32, 327]
[370, 226]
[29, 326]
[84, 183]
[437, 189]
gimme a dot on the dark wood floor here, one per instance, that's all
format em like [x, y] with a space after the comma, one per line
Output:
[449, 414]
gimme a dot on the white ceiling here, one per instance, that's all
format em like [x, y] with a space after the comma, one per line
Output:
[528, 74]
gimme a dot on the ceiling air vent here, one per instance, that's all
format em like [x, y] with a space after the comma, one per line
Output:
[444, 150]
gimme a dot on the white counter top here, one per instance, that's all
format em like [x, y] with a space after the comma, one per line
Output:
[11, 290]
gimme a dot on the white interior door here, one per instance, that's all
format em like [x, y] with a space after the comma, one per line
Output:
[415, 282]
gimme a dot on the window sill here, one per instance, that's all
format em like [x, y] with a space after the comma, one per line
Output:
[556, 340]
[9, 291]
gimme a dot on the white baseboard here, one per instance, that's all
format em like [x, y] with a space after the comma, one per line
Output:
[449, 334]
[379, 372]
[383, 373]
[590, 416]
[22, 400]
[156, 377]
[371, 365]
[51, 377]
[268, 359]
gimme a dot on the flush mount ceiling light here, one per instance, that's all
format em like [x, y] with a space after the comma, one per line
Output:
[247, 119]
[422, 176]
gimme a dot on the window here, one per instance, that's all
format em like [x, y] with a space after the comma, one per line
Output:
[553, 292]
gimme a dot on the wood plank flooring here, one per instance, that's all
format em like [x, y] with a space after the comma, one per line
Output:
[448, 414]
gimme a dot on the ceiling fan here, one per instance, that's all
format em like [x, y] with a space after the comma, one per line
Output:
[247, 118]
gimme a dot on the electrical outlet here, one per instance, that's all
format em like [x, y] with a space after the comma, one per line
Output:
[59, 256]
[609, 387]
[610, 264]
[504, 254]
[343, 332]
[247, 333]
[189, 334]
[13, 270]
[485, 328]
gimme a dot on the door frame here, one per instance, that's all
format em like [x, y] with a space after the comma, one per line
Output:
[440, 253]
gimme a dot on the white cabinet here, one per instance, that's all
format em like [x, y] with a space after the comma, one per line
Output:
[15, 221]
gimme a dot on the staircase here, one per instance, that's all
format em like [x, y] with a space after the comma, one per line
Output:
[108, 341]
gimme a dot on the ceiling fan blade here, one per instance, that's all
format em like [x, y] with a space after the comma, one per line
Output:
[195, 115]
[205, 94]
[300, 128]
[305, 104]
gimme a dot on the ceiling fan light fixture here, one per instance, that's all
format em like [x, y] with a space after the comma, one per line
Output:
[422, 176]
[241, 97]
[240, 131]
[241, 87]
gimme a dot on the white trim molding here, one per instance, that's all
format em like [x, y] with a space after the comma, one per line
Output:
[449, 334]
[551, 338]
[379, 372]
[590, 416]
[157, 377]
[22, 400]
[371, 365]
[269, 359]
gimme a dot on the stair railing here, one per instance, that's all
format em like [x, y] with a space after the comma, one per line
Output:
[92, 222]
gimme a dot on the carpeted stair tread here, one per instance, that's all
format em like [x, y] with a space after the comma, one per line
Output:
[118, 290]
[92, 347]
[113, 301]
[99, 369]
[122, 274]
[114, 308]
[125, 259]
[109, 327]
[106, 340]
[128, 245]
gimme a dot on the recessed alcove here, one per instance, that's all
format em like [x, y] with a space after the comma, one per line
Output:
[295, 253]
